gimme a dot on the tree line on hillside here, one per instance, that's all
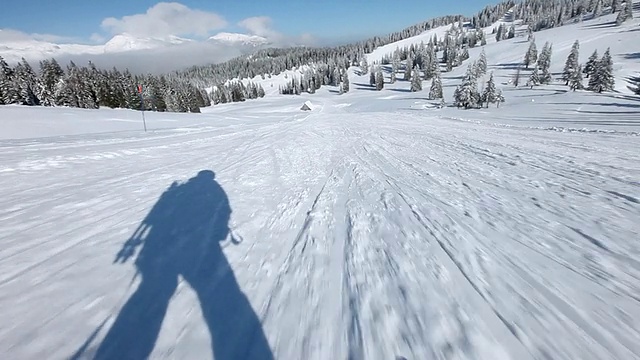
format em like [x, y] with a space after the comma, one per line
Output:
[90, 88]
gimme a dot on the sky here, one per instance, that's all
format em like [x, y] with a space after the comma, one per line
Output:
[325, 21]
[83, 30]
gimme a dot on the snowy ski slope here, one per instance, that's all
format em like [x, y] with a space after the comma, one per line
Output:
[375, 226]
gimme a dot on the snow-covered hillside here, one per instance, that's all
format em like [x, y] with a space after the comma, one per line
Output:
[376, 226]
[505, 56]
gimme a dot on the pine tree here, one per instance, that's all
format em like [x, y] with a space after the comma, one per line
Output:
[597, 10]
[464, 55]
[50, 74]
[25, 82]
[602, 79]
[481, 64]
[432, 63]
[512, 32]
[534, 79]
[452, 56]
[590, 66]
[499, 33]
[575, 79]
[531, 56]
[8, 91]
[407, 68]
[435, 92]
[372, 76]
[364, 66]
[571, 64]
[379, 79]
[499, 98]
[416, 80]
[345, 81]
[544, 62]
[395, 65]
[467, 95]
[490, 93]
[629, 9]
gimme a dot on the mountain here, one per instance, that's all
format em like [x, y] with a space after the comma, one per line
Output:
[33, 50]
[241, 39]
[127, 42]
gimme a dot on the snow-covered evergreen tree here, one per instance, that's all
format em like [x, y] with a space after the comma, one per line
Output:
[379, 79]
[490, 93]
[531, 56]
[395, 66]
[571, 64]
[534, 78]
[597, 10]
[8, 92]
[435, 92]
[499, 98]
[432, 63]
[50, 74]
[512, 32]
[407, 68]
[335, 78]
[590, 66]
[26, 83]
[575, 79]
[372, 75]
[364, 67]
[481, 64]
[416, 80]
[602, 79]
[464, 55]
[544, 62]
[345, 81]
[500, 32]
[467, 95]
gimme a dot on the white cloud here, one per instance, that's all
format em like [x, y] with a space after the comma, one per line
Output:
[97, 38]
[10, 35]
[166, 18]
[262, 26]
[7, 35]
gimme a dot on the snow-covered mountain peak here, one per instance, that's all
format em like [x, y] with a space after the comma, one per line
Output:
[127, 42]
[237, 38]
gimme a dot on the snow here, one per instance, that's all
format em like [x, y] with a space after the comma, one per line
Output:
[13, 51]
[128, 42]
[235, 38]
[378, 226]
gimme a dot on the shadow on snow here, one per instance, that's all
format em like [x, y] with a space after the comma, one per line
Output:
[181, 237]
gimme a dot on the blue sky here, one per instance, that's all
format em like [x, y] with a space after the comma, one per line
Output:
[330, 20]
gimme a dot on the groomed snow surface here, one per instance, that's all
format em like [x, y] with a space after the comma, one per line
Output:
[376, 226]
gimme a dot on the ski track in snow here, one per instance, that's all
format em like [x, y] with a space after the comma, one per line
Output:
[365, 237]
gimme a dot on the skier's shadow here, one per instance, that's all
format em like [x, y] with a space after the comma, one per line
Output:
[181, 236]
